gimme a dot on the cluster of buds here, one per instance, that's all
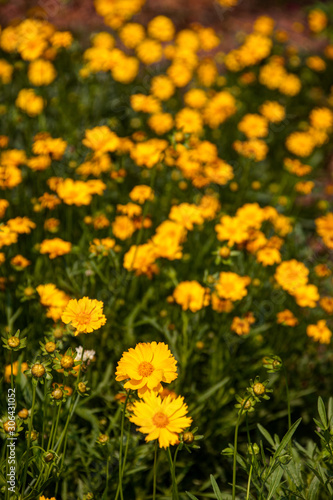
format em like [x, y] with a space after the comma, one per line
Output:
[254, 394]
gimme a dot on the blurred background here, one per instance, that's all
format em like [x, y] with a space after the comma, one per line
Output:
[80, 17]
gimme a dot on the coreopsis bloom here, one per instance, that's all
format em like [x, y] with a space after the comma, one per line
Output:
[54, 299]
[8, 369]
[123, 227]
[20, 262]
[41, 72]
[326, 303]
[55, 247]
[296, 167]
[141, 259]
[306, 295]
[29, 102]
[319, 332]
[219, 108]
[322, 271]
[74, 192]
[161, 419]
[232, 286]
[141, 193]
[268, 256]
[161, 123]
[253, 126]
[6, 71]
[186, 215]
[286, 318]
[162, 87]
[241, 326]
[316, 63]
[317, 20]
[232, 229]
[195, 98]
[300, 143]
[191, 295]
[324, 227]
[161, 28]
[4, 204]
[321, 118]
[255, 149]
[291, 274]
[273, 111]
[131, 35]
[146, 366]
[85, 315]
[189, 121]
[21, 225]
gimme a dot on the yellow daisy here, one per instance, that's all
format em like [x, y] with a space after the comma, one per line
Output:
[161, 419]
[146, 367]
[85, 315]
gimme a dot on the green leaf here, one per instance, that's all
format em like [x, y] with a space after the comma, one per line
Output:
[192, 497]
[275, 480]
[322, 412]
[216, 489]
[211, 390]
[287, 437]
[266, 434]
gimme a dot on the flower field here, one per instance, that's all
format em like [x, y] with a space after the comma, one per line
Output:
[166, 237]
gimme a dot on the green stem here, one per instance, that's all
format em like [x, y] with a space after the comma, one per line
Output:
[235, 449]
[154, 474]
[44, 411]
[54, 429]
[173, 476]
[288, 396]
[121, 465]
[249, 484]
[34, 385]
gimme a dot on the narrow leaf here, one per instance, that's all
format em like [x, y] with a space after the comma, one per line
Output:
[266, 434]
[216, 489]
[322, 412]
[287, 437]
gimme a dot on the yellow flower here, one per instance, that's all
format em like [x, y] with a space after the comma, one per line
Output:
[286, 318]
[253, 126]
[8, 369]
[146, 366]
[141, 193]
[273, 111]
[306, 295]
[132, 34]
[191, 295]
[317, 20]
[189, 121]
[161, 419]
[55, 247]
[324, 226]
[86, 315]
[319, 332]
[41, 72]
[291, 274]
[20, 262]
[161, 28]
[162, 87]
[232, 286]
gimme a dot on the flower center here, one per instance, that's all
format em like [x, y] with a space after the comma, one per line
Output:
[145, 369]
[83, 318]
[160, 420]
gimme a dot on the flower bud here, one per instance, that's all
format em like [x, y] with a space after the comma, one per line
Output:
[13, 342]
[188, 437]
[57, 394]
[50, 347]
[67, 362]
[82, 387]
[38, 370]
[48, 457]
[24, 413]
[259, 389]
